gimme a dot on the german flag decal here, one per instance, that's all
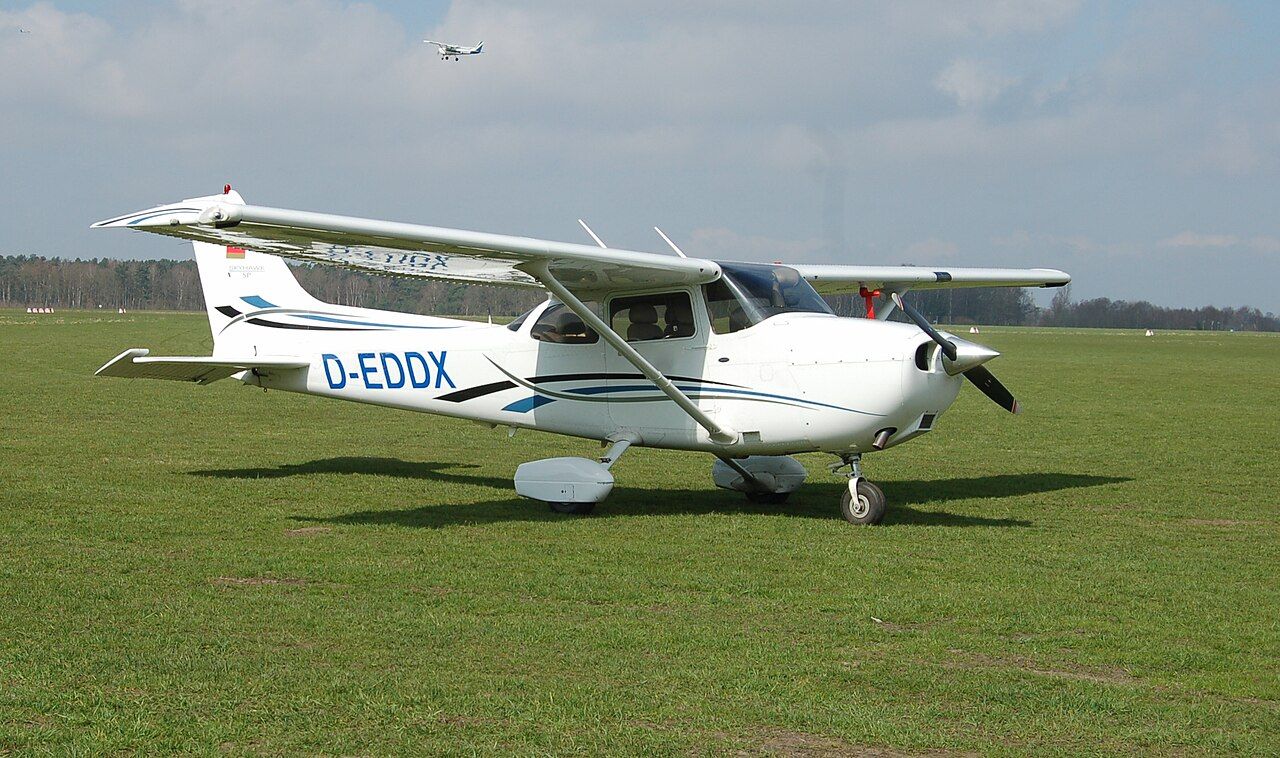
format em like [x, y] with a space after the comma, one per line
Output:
[235, 252]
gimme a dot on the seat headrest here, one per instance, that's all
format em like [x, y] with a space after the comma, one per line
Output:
[572, 325]
[787, 277]
[643, 313]
[679, 310]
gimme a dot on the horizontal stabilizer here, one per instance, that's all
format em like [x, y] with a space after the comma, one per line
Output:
[136, 363]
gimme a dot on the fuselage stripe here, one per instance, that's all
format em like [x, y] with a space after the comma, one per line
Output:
[472, 393]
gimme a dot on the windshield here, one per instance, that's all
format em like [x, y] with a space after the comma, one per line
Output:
[749, 293]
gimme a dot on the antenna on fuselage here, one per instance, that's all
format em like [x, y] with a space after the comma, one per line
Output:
[599, 241]
[667, 239]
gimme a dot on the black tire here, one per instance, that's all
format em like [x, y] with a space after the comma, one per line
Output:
[768, 498]
[869, 510]
[573, 509]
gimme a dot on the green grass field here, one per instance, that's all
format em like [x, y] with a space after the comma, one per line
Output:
[222, 570]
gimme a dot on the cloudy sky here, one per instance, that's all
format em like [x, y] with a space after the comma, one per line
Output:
[1133, 144]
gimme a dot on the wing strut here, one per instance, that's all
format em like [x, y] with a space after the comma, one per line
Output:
[720, 434]
[599, 241]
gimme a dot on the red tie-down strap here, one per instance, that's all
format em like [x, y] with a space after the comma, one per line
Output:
[869, 296]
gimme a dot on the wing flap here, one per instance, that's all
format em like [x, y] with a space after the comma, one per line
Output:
[136, 363]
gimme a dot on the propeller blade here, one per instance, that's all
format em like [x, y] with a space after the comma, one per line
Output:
[948, 347]
[990, 386]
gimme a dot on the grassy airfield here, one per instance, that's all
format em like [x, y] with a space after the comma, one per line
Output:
[218, 569]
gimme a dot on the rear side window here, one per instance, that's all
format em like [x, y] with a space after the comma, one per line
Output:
[643, 318]
[559, 324]
[519, 322]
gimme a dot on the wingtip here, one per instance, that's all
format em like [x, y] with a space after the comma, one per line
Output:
[185, 212]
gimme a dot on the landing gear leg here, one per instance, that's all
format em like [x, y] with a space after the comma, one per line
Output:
[862, 502]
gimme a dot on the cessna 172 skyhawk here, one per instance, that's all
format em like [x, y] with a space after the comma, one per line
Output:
[448, 51]
[741, 360]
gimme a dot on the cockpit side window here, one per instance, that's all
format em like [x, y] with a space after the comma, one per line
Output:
[561, 325]
[749, 293]
[724, 310]
[641, 318]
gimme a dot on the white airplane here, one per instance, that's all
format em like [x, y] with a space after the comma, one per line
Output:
[448, 51]
[23, 31]
[741, 360]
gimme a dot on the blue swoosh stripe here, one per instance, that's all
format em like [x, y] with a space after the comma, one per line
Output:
[697, 391]
[146, 216]
[693, 392]
[528, 403]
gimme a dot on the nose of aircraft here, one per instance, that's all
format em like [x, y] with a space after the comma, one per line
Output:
[968, 355]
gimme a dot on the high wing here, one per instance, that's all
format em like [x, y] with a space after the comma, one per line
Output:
[837, 279]
[412, 250]
[136, 364]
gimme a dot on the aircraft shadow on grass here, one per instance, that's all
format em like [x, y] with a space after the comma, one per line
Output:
[814, 500]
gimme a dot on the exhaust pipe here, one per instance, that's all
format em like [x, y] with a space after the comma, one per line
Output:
[882, 438]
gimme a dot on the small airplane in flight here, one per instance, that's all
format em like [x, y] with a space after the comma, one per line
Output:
[23, 31]
[448, 51]
[744, 361]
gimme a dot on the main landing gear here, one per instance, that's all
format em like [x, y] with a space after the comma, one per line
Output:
[572, 485]
[862, 502]
[770, 479]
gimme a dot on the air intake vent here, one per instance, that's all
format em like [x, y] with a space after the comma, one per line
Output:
[922, 356]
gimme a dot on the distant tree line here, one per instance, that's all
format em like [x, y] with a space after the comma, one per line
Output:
[175, 285]
[170, 285]
[1012, 306]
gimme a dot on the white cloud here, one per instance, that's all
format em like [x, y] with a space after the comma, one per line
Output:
[1265, 244]
[983, 17]
[929, 250]
[972, 83]
[726, 244]
[1231, 149]
[776, 131]
[1195, 239]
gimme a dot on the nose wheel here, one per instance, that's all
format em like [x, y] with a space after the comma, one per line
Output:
[862, 502]
[864, 508]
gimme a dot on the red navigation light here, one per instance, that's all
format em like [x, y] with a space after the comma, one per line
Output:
[226, 189]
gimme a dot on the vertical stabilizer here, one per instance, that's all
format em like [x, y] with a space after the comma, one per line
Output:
[236, 281]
